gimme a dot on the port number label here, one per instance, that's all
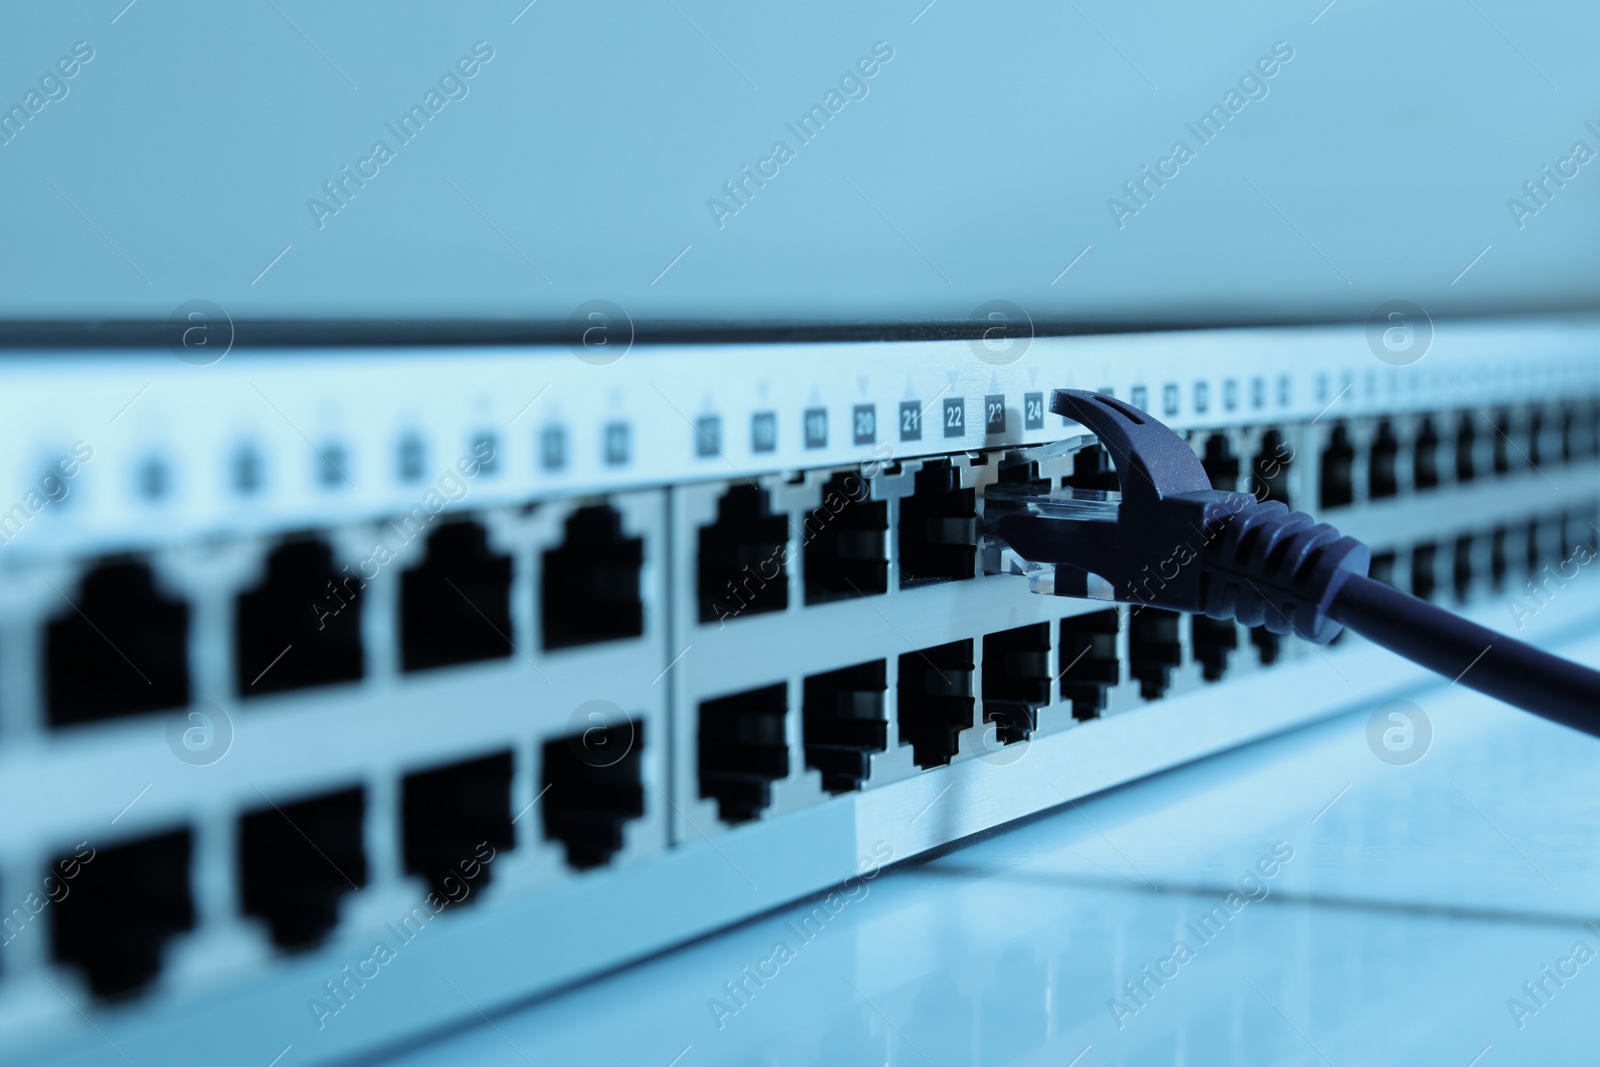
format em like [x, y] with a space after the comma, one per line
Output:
[1033, 411]
[764, 431]
[816, 425]
[955, 417]
[910, 420]
[994, 413]
[616, 444]
[707, 435]
[864, 423]
[553, 448]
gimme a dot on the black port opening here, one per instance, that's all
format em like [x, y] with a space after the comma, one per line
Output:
[1499, 559]
[1572, 444]
[934, 701]
[297, 861]
[1533, 543]
[1466, 448]
[1270, 468]
[125, 904]
[1461, 567]
[591, 789]
[743, 749]
[847, 551]
[1090, 664]
[1424, 570]
[1215, 640]
[455, 606]
[589, 591]
[1382, 567]
[1221, 463]
[1425, 457]
[120, 648]
[1154, 649]
[1016, 469]
[1016, 680]
[938, 529]
[301, 626]
[1268, 645]
[1537, 453]
[1502, 442]
[842, 723]
[743, 559]
[453, 819]
[1337, 469]
[1092, 469]
[1383, 463]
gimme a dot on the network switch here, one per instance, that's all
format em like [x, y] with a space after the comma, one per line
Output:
[323, 649]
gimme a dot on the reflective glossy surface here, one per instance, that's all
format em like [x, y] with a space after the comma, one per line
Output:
[1386, 908]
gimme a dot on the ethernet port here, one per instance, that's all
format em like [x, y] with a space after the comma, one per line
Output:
[1089, 650]
[743, 749]
[1425, 457]
[1383, 462]
[1382, 567]
[1424, 563]
[297, 861]
[1571, 430]
[1268, 645]
[448, 815]
[1154, 649]
[1215, 640]
[1461, 567]
[455, 606]
[1534, 544]
[592, 788]
[938, 531]
[1466, 449]
[1016, 680]
[1221, 463]
[1502, 442]
[296, 629]
[1499, 560]
[742, 561]
[934, 701]
[846, 552]
[1271, 468]
[120, 648]
[589, 591]
[1092, 469]
[1338, 467]
[1537, 454]
[842, 724]
[126, 903]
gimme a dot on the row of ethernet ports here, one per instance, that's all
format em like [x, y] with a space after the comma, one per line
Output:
[296, 862]
[1380, 459]
[121, 644]
[742, 747]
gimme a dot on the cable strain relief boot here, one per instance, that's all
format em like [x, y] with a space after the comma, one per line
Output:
[1265, 565]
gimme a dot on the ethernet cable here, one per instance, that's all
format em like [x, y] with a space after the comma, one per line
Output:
[1172, 541]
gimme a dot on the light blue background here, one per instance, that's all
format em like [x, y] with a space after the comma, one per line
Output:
[987, 148]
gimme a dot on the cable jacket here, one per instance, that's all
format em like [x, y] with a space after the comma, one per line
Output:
[1473, 655]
